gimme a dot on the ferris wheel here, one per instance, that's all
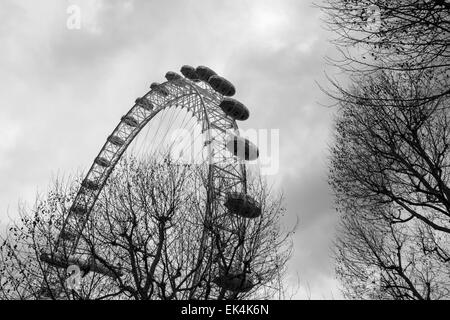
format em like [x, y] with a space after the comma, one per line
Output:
[206, 96]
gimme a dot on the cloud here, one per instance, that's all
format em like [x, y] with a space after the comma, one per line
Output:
[64, 90]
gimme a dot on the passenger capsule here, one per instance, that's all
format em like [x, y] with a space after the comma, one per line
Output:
[116, 141]
[79, 210]
[204, 73]
[242, 148]
[234, 109]
[222, 85]
[46, 293]
[102, 162]
[144, 103]
[242, 205]
[172, 76]
[97, 266]
[91, 185]
[68, 235]
[159, 88]
[54, 259]
[234, 282]
[130, 121]
[190, 73]
[86, 265]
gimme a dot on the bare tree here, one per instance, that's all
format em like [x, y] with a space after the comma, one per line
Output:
[390, 167]
[144, 233]
[389, 161]
[398, 36]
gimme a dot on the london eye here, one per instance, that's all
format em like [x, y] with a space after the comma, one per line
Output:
[206, 98]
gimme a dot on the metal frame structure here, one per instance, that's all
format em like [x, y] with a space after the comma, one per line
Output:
[199, 98]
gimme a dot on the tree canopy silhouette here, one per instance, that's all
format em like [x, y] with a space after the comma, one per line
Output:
[148, 223]
[390, 170]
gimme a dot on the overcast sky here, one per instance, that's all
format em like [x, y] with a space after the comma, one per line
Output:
[63, 91]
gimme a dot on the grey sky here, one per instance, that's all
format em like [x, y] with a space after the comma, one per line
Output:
[62, 92]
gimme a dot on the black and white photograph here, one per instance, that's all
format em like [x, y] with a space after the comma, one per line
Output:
[236, 151]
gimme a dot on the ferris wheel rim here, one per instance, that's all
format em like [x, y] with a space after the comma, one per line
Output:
[213, 116]
[196, 90]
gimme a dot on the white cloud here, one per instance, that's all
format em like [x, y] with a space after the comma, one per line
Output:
[9, 133]
[64, 90]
